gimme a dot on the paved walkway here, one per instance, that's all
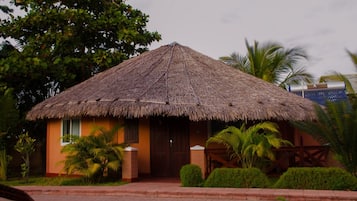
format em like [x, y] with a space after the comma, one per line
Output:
[174, 190]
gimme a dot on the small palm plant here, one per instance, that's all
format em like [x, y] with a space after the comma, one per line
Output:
[94, 155]
[250, 145]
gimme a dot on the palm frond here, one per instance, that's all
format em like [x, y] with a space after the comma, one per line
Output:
[93, 169]
[336, 126]
[339, 77]
[271, 62]
[353, 57]
[252, 143]
[91, 155]
[114, 165]
[296, 76]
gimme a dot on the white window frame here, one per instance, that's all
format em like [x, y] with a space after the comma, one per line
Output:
[71, 127]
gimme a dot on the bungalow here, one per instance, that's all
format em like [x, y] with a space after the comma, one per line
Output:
[169, 99]
[321, 92]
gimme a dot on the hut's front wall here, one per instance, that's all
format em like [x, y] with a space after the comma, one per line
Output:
[143, 147]
[53, 147]
[54, 137]
[304, 139]
[198, 136]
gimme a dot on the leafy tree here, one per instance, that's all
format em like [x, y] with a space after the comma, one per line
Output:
[272, 63]
[5, 9]
[336, 125]
[4, 158]
[250, 145]
[61, 43]
[8, 119]
[8, 112]
[25, 146]
[94, 155]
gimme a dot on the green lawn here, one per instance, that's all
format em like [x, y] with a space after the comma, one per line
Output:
[55, 181]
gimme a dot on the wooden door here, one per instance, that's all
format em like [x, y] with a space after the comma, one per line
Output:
[169, 149]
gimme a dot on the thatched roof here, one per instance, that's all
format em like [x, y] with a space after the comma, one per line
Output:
[174, 80]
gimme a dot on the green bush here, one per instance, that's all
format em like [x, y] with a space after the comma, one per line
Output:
[321, 178]
[237, 178]
[191, 175]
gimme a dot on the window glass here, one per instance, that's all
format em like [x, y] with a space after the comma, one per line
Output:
[70, 128]
[75, 127]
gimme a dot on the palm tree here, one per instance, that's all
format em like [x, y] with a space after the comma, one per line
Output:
[336, 125]
[353, 57]
[339, 77]
[272, 63]
[94, 155]
[252, 144]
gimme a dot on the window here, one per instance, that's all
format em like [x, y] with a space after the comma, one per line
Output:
[70, 128]
[131, 131]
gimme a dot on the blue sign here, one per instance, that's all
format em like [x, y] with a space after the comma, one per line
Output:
[320, 96]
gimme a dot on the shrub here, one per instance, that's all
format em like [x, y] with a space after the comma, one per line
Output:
[253, 145]
[317, 178]
[191, 176]
[95, 155]
[237, 178]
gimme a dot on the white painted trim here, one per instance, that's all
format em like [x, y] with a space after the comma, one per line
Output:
[197, 148]
[130, 149]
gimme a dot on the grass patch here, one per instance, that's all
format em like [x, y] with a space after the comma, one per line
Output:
[57, 181]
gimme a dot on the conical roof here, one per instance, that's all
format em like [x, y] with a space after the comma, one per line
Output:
[174, 80]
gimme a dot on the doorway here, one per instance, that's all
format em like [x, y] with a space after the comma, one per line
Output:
[169, 149]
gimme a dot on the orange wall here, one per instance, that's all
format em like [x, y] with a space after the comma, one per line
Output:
[54, 156]
[305, 139]
[143, 147]
[54, 147]
[198, 136]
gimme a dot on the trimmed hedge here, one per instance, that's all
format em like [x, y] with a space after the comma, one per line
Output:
[321, 178]
[237, 178]
[191, 176]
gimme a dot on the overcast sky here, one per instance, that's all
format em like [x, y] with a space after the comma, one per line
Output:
[324, 28]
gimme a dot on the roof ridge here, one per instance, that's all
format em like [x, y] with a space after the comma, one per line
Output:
[163, 74]
[189, 78]
[174, 43]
